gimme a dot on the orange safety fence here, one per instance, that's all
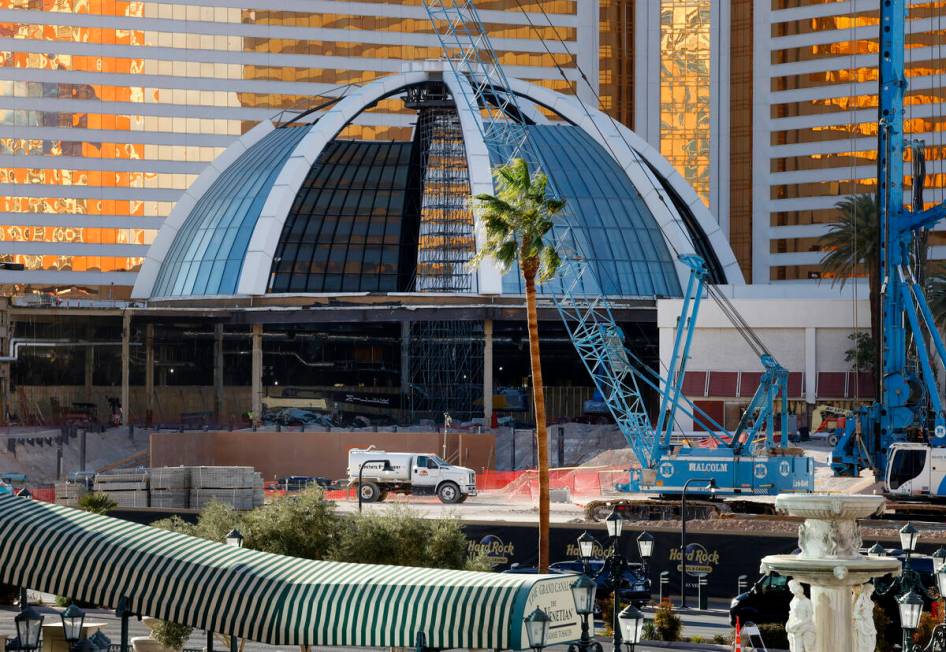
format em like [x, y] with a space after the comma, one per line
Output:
[581, 482]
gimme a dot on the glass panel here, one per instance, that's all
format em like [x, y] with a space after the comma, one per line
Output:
[367, 192]
[630, 257]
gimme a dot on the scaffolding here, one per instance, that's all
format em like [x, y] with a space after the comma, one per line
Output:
[446, 369]
[445, 241]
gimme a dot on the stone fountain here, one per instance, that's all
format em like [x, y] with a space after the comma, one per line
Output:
[831, 564]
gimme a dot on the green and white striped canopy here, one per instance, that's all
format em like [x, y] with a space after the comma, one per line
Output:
[270, 598]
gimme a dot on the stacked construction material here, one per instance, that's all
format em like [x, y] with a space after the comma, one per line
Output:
[170, 487]
[69, 493]
[241, 487]
[127, 487]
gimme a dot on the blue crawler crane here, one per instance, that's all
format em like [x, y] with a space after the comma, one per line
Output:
[901, 437]
[746, 461]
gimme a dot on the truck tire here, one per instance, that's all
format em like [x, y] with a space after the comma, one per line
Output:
[463, 498]
[449, 493]
[369, 492]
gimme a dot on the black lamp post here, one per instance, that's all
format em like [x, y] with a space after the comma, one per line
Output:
[908, 537]
[28, 624]
[615, 525]
[711, 487]
[72, 620]
[123, 611]
[939, 559]
[876, 550]
[586, 550]
[537, 629]
[910, 606]
[632, 624]
[645, 548]
[234, 538]
[583, 590]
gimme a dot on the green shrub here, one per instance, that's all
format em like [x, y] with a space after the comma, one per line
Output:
[696, 639]
[97, 503]
[667, 623]
[307, 525]
[171, 635]
[722, 639]
[774, 636]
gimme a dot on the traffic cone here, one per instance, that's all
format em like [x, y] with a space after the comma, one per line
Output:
[737, 639]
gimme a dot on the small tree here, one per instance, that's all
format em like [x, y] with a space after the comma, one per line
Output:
[863, 354]
[302, 525]
[171, 635]
[667, 623]
[402, 537]
[517, 220]
[97, 503]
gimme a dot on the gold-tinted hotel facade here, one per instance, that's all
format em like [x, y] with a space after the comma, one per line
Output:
[110, 109]
[815, 132]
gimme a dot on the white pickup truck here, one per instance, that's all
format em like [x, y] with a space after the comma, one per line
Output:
[376, 473]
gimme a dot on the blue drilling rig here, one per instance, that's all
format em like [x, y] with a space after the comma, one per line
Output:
[901, 437]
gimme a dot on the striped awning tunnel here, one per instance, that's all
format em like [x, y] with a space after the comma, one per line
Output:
[269, 598]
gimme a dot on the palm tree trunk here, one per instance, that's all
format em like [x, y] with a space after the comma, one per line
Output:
[541, 433]
[875, 330]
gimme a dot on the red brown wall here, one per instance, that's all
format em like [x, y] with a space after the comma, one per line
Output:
[278, 454]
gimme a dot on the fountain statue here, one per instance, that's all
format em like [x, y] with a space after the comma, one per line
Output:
[865, 632]
[801, 620]
[839, 615]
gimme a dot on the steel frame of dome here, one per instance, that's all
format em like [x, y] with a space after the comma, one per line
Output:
[631, 153]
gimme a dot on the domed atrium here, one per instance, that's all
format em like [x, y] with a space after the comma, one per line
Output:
[326, 255]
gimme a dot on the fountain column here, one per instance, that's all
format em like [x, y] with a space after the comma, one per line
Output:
[830, 561]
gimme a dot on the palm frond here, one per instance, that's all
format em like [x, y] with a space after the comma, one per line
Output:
[518, 219]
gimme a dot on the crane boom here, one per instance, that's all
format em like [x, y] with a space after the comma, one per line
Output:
[589, 316]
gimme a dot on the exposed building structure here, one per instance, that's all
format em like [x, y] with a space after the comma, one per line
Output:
[807, 330]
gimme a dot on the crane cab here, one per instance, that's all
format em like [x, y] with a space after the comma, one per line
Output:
[915, 469]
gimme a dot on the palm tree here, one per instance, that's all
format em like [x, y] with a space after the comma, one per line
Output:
[516, 220]
[852, 241]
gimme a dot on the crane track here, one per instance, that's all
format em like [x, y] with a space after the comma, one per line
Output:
[930, 515]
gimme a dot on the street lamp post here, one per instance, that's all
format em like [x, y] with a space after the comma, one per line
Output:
[72, 620]
[586, 550]
[234, 538]
[583, 590]
[910, 606]
[711, 487]
[28, 628]
[908, 537]
[939, 559]
[537, 629]
[123, 612]
[615, 525]
[876, 550]
[645, 548]
[632, 624]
